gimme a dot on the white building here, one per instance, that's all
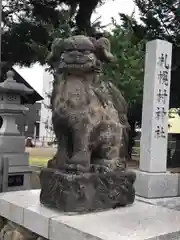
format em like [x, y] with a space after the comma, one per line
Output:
[46, 133]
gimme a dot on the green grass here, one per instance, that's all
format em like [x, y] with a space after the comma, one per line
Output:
[137, 143]
[38, 161]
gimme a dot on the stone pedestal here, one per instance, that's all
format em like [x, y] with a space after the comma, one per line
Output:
[152, 179]
[157, 185]
[12, 144]
[86, 192]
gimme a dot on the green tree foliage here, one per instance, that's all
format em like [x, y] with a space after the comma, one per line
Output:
[128, 72]
[27, 33]
[29, 26]
[161, 19]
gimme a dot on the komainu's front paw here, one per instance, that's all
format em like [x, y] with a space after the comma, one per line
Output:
[77, 168]
[100, 168]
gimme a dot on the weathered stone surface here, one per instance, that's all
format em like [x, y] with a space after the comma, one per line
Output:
[86, 192]
[89, 118]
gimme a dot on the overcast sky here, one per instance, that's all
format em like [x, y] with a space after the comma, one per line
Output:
[34, 75]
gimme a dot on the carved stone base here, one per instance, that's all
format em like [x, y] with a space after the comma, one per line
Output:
[86, 192]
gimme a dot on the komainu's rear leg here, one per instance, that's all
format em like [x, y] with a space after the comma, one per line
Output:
[108, 158]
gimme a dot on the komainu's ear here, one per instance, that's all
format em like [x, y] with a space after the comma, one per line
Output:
[56, 50]
[104, 50]
[94, 41]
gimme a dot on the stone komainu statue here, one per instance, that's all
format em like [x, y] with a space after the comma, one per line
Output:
[89, 115]
[90, 124]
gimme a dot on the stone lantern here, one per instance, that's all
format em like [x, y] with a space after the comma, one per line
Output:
[12, 144]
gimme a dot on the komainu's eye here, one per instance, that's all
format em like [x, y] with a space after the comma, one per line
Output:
[86, 52]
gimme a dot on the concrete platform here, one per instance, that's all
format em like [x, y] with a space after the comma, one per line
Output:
[140, 221]
[170, 202]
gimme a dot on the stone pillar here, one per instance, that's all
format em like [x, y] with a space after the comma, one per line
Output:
[152, 178]
[12, 144]
[153, 151]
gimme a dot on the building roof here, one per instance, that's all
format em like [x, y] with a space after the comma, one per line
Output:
[31, 98]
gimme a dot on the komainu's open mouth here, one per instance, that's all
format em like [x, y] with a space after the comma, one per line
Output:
[85, 66]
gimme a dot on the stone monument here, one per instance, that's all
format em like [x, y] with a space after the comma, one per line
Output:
[153, 179]
[12, 144]
[88, 172]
